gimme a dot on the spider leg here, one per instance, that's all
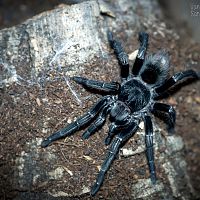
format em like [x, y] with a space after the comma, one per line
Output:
[112, 87]
[143, 38]
[97, 124]
[161, 107]
[120, 54]
[117, 143]
[78, 124]
[111, 133]
[114, 129]
[149, 147]
[174, 79]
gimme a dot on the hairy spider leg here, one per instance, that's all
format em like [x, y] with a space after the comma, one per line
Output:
[174, 79]
[143, 39]
[78, 124]
[98, 123]
[121, 138]
[149, 147]
[171, 119]
[120, 54]
[112, 87]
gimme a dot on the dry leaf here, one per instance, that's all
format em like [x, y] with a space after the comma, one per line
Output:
[68, 171]
[87, 157]
[59, 101]
[99, 167]
[38, 102]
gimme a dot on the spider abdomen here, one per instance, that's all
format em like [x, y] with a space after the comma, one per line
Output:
[135, 94]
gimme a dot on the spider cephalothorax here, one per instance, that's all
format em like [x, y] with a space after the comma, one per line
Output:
[128, 103]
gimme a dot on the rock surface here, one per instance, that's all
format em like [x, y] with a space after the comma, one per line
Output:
[37, 98]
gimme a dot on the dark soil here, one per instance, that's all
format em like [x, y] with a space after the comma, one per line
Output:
[184, 55]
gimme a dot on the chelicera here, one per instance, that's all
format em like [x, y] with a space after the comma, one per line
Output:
[128, 103]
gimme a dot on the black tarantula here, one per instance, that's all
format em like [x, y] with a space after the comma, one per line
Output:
[128, 103]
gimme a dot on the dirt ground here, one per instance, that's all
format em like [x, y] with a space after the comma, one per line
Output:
[184, 55]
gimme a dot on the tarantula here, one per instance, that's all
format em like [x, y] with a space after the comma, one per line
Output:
[128, 103]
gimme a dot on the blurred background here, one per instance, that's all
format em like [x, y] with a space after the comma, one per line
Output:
[184, 15]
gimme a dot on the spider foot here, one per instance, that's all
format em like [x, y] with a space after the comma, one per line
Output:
[86, 135]
[110, 36]
[45, 143]
[94, 189]
[153, 178]
[78, 79]
[107, 140]
[97, 185]
[112, 87]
